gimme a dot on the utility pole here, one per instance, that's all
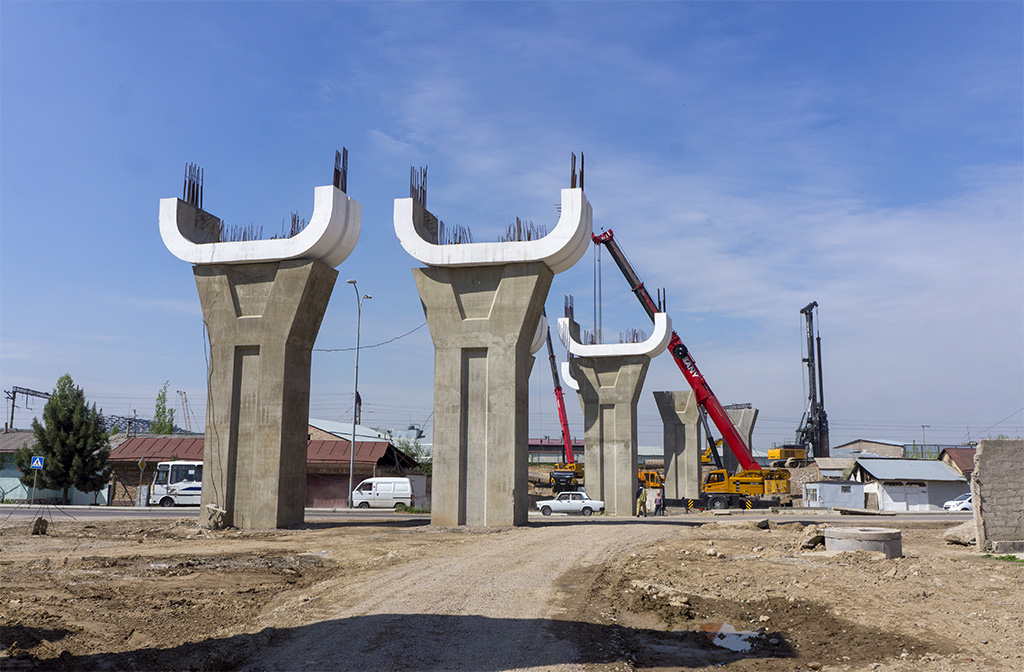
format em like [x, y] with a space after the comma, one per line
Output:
[13, 393]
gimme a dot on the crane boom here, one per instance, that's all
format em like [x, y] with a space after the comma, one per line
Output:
[706, 399]
[570, 457]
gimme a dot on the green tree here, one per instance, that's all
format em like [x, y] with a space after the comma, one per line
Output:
[163, 417]
[420, 453]
[72, 443]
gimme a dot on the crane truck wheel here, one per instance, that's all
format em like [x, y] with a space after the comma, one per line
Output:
[718, 503]
[792, 463]
[546, 511]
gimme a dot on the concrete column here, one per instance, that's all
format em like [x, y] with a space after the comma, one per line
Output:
[609, 388]
[483, 321]
[683, 445]
[262, 320]
[743, 419]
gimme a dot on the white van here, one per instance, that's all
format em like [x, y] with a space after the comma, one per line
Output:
[387, 492]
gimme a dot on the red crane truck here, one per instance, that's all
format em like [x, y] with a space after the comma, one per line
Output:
[746, 488]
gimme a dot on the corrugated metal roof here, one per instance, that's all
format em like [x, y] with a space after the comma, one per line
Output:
[332, 452]
[963, 458]
[343, 430]
[12, 441]
[918, 470]
[158, 448]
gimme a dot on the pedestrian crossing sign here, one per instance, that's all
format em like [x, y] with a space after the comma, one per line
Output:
[37, 462]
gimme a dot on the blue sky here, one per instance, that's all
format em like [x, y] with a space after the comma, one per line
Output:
[750, 157]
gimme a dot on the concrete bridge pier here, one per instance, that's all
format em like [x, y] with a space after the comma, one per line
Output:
[262, 320]
[609, 378]
[484, 304]
[483, 321]
[682, 443]
[263, 302]
[609, 388]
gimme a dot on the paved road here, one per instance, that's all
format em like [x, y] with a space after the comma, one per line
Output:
[11, 512]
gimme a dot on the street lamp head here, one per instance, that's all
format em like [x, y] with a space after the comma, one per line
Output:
[351, 282]
[367, 296]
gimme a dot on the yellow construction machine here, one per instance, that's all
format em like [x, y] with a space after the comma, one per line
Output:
[749, 488]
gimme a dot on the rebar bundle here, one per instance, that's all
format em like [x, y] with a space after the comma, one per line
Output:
[632, 336]
[452, 235]
[523, 230]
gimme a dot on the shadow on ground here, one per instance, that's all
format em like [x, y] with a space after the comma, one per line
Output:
[420, 642]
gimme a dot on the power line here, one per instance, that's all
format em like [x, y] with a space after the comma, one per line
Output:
[1000, 422]
[375, 345]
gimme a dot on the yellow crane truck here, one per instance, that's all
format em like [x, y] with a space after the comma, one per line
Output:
[746, 489]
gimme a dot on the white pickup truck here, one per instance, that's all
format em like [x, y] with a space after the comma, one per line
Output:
[570, 502]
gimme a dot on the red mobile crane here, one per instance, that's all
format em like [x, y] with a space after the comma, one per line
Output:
[706, 399]
[751, 481]
[568, 473]
[568, 455]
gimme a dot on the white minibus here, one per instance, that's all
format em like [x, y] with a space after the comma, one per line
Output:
[177, 483]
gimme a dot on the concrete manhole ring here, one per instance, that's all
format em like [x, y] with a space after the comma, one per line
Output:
[881, 539]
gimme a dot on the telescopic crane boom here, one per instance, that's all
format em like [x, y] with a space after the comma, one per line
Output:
[706, 399]
[562, 418]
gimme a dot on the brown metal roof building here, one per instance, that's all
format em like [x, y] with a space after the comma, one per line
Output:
[961, 459]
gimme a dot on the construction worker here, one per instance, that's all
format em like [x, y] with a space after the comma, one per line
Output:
[641, 502]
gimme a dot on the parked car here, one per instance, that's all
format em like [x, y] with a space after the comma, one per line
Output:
[961, 503]
[570, 502]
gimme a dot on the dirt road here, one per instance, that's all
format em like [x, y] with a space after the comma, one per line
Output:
[568, 594]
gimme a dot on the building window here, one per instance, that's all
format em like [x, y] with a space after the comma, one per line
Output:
[845, 489]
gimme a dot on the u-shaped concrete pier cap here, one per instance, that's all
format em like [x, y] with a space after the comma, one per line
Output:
[329, 237]
[567, 378]
[559, 250]
[652, 347]
[540, 336]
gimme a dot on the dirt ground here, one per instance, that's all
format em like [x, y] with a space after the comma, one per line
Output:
[563, 593]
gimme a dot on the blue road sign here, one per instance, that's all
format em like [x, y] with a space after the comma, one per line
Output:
[37, 462]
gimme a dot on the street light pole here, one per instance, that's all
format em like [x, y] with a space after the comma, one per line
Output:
[355, 396]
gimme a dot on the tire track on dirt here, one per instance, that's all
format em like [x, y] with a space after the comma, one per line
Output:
[482, 604]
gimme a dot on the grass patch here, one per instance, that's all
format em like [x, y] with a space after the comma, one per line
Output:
[1009, 557]
[410, 509]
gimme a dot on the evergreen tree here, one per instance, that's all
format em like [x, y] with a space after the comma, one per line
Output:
[163, 417]
[71, 441]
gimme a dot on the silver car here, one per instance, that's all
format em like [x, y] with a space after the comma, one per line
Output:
[570, 502]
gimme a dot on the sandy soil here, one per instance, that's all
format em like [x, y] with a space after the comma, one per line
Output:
[560, 594]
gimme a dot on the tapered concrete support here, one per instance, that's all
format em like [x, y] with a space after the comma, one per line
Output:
[609, 389]
[262, 320]
[484, 304]
[743, 419]
[483, 321]
[683, 445]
